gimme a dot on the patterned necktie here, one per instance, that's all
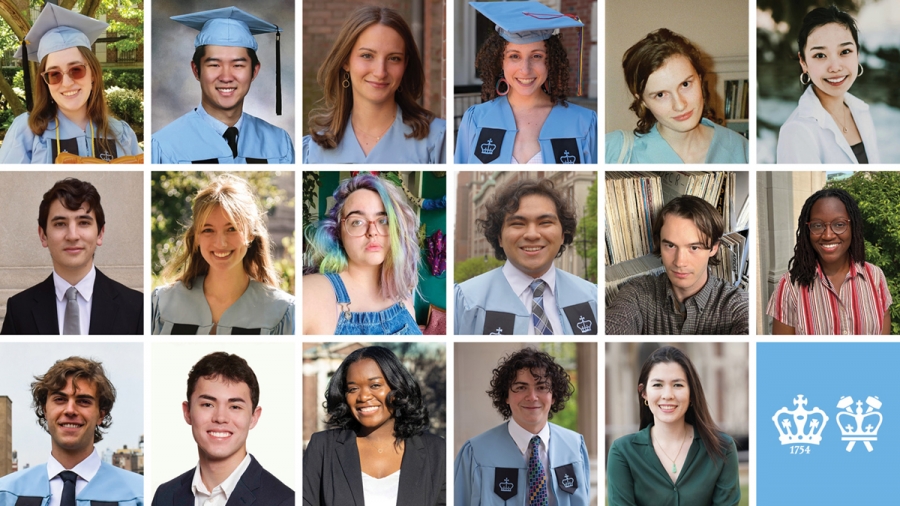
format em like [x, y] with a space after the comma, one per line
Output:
[72, 318]
[68, 493]
[231, 135]
[538, 317]
[537, 477]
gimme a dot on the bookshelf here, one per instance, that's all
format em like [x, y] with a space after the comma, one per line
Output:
[727, 80]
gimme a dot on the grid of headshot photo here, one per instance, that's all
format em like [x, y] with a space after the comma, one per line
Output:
[737, 355]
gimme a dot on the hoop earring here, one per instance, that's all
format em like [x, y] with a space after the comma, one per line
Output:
[502, 81]
[861, 69]
[545, 87]
[346, 82]
[646, 403]
[804, 83]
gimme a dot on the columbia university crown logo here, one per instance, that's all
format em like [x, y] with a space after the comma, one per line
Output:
[488, 147]
[584, 326]
[567, 159]
[857, 425]
[568, 481]
[506, 485]
[498, 332]
[800, 426]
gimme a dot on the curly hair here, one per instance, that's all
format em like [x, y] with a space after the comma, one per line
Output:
[231, 368]
[645, 58]
[399, 273]
[705, 217]
[489, 66]
[542, 366]
[802, 265]
[328, 121]
[76, 369]
[405, 399]
[697, 412]
[506, 201]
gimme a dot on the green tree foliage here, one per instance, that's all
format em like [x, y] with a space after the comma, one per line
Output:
[586, 236]
[130, 10]
[468, 269]
[171, 194]
[878, 195]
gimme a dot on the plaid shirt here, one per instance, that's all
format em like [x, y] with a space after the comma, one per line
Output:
[647, 306]
[818, 309]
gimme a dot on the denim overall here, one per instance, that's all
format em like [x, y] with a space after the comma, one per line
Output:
[394, 320]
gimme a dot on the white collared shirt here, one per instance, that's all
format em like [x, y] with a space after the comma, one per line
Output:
[522, 438]
[222, 492]
[85, 289]
[521, 286]
[86, 470]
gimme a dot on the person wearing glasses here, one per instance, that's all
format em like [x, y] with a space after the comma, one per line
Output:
[366, 257]
[829, 287]
[70, 116]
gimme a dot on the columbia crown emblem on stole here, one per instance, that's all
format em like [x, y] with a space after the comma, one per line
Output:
[488, 147]
[568, 481]
[584, 326]
[498, 332]
[567, 159]
[506, 485]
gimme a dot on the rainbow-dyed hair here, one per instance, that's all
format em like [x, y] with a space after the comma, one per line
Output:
[399, 274]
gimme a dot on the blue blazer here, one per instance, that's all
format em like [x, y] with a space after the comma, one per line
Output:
[485, 458]
[256, 487]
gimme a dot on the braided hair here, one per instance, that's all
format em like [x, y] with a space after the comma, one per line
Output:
[802, 265]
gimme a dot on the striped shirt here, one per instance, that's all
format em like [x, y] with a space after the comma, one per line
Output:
[858, 309]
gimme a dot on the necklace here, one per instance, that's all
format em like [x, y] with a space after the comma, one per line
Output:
[376, 137]
[844, 128]
[674, 467]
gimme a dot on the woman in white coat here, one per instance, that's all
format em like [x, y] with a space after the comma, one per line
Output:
[829, 124]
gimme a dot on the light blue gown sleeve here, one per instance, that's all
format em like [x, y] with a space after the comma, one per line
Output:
[305, 148]
[440, 140]
[465, 138]
[128, 140]
[286, 326]
[17, 145]
[460, 325]
[592, 139]
[156, 153]
[466, 478]
[614, 141]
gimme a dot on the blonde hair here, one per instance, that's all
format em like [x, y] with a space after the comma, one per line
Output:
[239, 202]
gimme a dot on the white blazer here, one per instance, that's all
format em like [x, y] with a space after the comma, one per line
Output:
[810, 134]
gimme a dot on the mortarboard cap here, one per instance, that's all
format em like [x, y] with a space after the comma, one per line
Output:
[58, 28]
[525, 22]
[233, 27]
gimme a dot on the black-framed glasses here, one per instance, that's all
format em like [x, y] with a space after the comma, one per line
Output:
[358, 226]
[56, 76]
[837, 226]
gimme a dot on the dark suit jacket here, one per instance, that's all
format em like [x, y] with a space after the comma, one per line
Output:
[332, 475]
[256, 487]
[115, 309]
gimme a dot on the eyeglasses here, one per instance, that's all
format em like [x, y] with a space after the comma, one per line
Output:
[837, 226]
[356, 226]
[56, 76]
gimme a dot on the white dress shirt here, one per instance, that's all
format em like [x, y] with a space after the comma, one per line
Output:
[222, 492]
[522, 438]
[381, 491]
[85, 289]
[86, 470]
[521, 286]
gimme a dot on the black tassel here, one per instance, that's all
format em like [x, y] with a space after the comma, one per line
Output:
[277, 71]
[26, 77]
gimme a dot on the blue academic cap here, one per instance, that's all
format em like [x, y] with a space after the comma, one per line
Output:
[525, 22]
[232, 27]
[57, 28]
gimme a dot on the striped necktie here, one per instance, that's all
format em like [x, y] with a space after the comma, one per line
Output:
[537, 477]
[538, 317]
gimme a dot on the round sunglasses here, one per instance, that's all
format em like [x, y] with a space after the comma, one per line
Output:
[56, 76]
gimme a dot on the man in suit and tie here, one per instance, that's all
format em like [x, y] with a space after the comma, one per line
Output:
[73, 402]
[222, 407]
[77, 298]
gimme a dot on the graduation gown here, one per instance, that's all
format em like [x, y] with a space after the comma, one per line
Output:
[727, 146]
[491, 462]
[394, 146]
[21, 145]
[486, 304]
[488, 131]
[261, 309]
[110, 486]
[192, 139]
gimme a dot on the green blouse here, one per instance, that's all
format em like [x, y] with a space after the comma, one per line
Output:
[636, 477]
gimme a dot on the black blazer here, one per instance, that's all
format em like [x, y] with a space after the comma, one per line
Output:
[115, 309]
[332, 475]
[256, 486]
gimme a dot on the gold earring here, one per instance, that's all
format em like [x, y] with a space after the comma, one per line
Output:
[804, 83]
[646, 403]
[346, 82]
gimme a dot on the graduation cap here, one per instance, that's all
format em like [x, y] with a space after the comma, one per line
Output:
[233, 27]
[528, 22]
[55, 29]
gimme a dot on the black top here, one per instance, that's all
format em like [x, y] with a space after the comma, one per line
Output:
[860, 151]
